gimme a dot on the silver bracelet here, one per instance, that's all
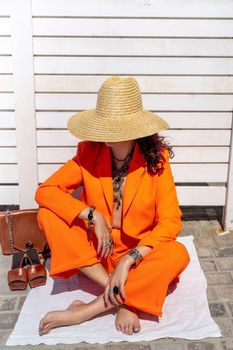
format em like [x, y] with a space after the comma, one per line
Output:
[137, 256]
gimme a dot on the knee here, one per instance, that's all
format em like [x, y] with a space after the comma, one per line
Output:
[180, 253]
[42, 215]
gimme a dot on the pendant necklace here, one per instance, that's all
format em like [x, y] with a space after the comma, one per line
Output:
[118, 177]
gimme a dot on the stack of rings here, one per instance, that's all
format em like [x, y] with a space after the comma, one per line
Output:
[110, 242]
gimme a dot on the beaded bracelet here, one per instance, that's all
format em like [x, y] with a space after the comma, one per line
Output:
[90, 218]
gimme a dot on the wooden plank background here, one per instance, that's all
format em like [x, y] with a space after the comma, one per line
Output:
[9, 188]
[179, 52]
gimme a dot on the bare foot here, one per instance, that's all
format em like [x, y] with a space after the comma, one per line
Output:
[127, 320]
[72, 315]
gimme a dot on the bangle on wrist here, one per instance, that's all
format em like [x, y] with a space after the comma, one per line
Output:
[137, 256]
[89, 219]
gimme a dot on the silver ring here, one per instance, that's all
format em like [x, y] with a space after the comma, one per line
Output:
[104, 242]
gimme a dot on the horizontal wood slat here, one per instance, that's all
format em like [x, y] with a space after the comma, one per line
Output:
[197, 137]
[181, 172]
[8, 173]
[131, 27]
[169, 8]
[174, 137]
[131, 46]
[5, 44]
[182, 154]
[9, 195]
[187, 195]
[6, 64]
[6, 101]
[203, 195]
[4, 21]
[169, 84]
[8, 155]
[201, 154]
[6, 83]
[150, 101]
[133, 65]
[7, 119]
[7, 138]
[183, 120]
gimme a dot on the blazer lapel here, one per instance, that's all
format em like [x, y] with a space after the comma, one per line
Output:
[104, 173]
[137, 170]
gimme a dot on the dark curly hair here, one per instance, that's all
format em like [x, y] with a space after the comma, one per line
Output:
[151, 147]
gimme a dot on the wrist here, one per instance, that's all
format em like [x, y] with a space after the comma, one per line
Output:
[128, 260]
[96, 216]
[90, 220]
[84, 215]
[136, 256]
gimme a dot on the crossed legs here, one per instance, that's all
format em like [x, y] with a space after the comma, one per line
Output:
[145, 288]
[70, 246]
[126, 319]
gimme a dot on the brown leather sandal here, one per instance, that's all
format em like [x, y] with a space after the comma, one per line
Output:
[17, 276]
[37, 273]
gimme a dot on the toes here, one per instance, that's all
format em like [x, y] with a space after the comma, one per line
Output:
[44, 322]
[120, 329]
[136, 329]
[124, 329]
[42, 325]
[129, 330]
[46, 328]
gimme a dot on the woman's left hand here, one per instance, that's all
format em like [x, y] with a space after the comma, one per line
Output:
[118, 279]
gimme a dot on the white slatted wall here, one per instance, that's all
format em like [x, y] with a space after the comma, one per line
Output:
[8, 156]
[179, 52]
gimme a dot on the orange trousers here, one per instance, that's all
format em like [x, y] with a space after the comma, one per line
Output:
[147, 285]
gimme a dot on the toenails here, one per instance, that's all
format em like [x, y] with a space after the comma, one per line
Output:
[127, 321]
[136, 329]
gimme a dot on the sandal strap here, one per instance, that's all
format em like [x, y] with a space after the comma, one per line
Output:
[36, 271]
[18, 274]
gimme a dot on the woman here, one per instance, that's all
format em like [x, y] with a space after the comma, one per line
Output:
[122, 232]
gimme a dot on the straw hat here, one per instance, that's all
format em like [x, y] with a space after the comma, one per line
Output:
[118, 116]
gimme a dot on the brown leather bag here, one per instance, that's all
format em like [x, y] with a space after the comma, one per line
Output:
[19, 230]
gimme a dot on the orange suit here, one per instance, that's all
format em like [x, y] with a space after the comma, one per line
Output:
[150, 216]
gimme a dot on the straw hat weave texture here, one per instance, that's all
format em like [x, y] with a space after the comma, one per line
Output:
[118, 116]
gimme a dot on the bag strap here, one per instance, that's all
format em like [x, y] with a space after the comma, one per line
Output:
[10, 226]
[9, 221]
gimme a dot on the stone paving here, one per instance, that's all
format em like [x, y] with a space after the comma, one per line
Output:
[215, 252]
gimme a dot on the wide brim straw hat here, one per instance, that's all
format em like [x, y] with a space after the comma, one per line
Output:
[119, 114]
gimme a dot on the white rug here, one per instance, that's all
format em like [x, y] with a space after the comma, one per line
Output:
[185, 311]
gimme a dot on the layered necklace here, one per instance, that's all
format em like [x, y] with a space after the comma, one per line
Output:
[118, 176]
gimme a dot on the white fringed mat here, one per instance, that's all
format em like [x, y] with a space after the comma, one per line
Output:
[185, 311]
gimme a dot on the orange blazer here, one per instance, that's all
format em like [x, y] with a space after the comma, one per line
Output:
[150, 206]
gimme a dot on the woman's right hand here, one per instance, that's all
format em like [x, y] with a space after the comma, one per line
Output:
[103, 234]
[102, 231]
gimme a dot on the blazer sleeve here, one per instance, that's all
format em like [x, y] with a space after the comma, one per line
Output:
[55, 192]
[168, 213]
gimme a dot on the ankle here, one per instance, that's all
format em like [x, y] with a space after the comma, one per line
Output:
[127, 307]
